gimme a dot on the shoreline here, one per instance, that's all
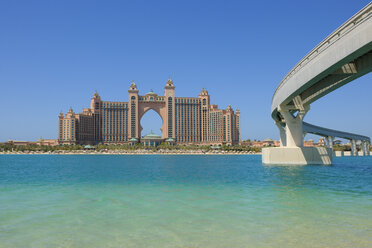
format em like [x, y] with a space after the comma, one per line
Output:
[129, 153]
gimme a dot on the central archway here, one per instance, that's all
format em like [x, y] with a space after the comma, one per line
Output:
[151, 122]
[159, 109]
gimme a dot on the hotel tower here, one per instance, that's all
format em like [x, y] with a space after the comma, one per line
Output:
[186, 120]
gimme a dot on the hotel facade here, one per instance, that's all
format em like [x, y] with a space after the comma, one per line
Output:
[186, 120]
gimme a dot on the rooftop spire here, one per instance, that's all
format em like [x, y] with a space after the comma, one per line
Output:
[95, 94]
[133, 86]
[169, 82]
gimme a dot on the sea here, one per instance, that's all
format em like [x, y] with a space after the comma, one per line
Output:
[226, 201]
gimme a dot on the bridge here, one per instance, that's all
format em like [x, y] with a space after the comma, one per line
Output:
[345, 55]
[330, 134]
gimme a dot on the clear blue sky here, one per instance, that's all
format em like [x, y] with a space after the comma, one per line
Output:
[54, 54]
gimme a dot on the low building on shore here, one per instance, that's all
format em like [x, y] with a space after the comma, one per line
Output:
[309, 143]
[47, 142]
[151, 139]
[39, 142]
[259, 143]
[20, 142]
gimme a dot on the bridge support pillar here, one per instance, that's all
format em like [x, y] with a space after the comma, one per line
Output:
[365, 148]
[353, 148]
[292, 150]
[330, 140]
[297, 155]
[283, 136]
[293, 129]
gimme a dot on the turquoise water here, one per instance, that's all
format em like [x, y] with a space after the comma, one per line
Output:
[182, 201]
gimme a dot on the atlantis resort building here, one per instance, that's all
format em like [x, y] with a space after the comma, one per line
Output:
[186, 120]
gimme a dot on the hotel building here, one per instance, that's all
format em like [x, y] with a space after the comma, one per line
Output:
[186, 120]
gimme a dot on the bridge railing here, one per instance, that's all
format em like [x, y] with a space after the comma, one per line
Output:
[360, 17]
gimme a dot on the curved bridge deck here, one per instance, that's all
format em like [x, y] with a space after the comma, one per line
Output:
[326, 132]
[343, 56]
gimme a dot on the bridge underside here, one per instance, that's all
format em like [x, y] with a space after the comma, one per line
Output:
[333, 80]
[343, 75]
[326, 132]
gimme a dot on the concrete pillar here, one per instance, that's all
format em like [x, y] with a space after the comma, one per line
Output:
[363, 147]
[353, 148]
[283, 138]
[330, 140]
[293, 128]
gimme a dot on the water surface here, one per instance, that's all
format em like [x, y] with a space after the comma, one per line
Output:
[182, 201]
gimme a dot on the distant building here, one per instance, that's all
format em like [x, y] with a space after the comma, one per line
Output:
[246, 143]
[309, 143]
[186, 120]
[20, 142]
[321, 142]
[40, 142]
[266, 142]
[47, 142]
[276, 143]
[257, 143]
